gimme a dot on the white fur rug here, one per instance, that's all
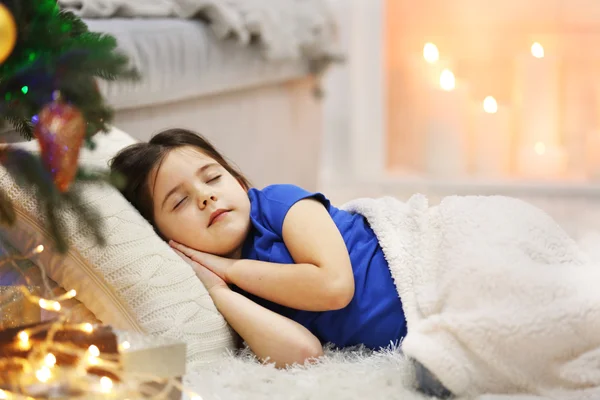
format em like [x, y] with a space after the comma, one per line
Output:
[339, 375]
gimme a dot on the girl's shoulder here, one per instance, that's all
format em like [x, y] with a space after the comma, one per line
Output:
[282, 192]
[271, 204]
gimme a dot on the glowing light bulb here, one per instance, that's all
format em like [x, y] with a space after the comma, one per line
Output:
[39, 249]
[72, 293]
[490, 105]
[537, 50]
[87, 327]
[23, 336]
[125, 345]
[43, 374]
[106, 384]
[50, 360]
[93, 360]
[447, 80]
[431, 53]
[23, 342]
[93, 350]
[540, 148]
[49, 305]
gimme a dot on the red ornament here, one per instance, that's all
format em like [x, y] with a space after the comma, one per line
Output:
[60, 130]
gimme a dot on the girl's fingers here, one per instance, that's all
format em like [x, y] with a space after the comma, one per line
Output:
[182, 248]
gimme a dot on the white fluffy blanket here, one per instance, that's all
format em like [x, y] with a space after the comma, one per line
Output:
[498, 298]
[286, 29]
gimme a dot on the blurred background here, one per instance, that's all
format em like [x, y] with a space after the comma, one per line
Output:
[465, 97]
[440, 97]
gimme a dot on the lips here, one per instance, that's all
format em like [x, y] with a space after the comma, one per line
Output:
[215, 215]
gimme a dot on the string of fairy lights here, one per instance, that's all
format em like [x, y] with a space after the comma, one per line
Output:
[41, 375]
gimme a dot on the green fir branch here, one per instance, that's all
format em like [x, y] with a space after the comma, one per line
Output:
[55, 51]
[89, 218]
[29, 172]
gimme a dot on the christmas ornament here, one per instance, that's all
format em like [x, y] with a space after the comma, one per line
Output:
[8, 33]
[60, 130]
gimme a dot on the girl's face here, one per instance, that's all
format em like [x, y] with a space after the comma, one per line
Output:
[198, 203]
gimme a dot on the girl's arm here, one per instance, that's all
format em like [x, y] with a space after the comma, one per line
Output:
[322, 278]
[272, 337]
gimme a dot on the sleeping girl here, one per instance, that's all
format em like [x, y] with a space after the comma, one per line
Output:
[291, 272]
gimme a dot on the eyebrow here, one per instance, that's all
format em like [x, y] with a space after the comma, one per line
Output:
[200, 170]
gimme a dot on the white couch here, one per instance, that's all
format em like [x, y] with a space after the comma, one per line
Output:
[262, 113]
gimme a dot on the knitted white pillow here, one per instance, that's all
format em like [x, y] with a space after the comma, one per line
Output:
[136, 282]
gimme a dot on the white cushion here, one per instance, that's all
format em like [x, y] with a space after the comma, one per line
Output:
[136, 282]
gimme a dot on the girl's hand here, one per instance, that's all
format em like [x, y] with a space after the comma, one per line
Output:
[218, 265]
[209, 279]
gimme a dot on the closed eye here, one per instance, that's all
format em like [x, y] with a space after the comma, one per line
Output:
[216, 178]
[179, 203]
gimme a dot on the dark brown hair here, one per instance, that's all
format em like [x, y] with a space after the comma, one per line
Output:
[135, 163]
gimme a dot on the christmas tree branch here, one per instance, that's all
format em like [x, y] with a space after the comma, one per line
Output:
[55, 53]
[28, 171]
[88, 216]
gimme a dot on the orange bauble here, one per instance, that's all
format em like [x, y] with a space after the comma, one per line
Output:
[8, 33]
[60, 130]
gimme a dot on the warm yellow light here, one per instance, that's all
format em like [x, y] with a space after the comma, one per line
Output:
[125, 345]
[106, 384]
[87, 327]
[23, 343]
[39, 249]
[540, 148]
[431, 53]
[43, 374]
[92, 360]
[50, 360]
[49, 305]
[537, 50]
[94, 351]
[447, 80]
[72, 293]
[3, 394]
[490, 105]
[23, 336]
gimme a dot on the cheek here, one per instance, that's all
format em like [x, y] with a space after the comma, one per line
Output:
[182, 227]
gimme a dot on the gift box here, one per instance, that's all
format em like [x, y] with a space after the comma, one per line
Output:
[154, 357]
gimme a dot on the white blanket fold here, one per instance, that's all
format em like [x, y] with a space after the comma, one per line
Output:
[286, 29]
[498, 298]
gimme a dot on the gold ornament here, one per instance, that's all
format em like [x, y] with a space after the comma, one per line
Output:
[8, 33]
[60, 130]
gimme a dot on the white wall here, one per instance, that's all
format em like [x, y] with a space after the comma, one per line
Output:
[354, 95]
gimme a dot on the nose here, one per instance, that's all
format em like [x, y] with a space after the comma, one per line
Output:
[205, 198]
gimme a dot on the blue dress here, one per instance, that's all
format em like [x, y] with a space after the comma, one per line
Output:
[374, 317]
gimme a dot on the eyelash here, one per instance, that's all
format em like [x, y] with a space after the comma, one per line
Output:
[214, 179]
[185, 198]
[179, 203]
